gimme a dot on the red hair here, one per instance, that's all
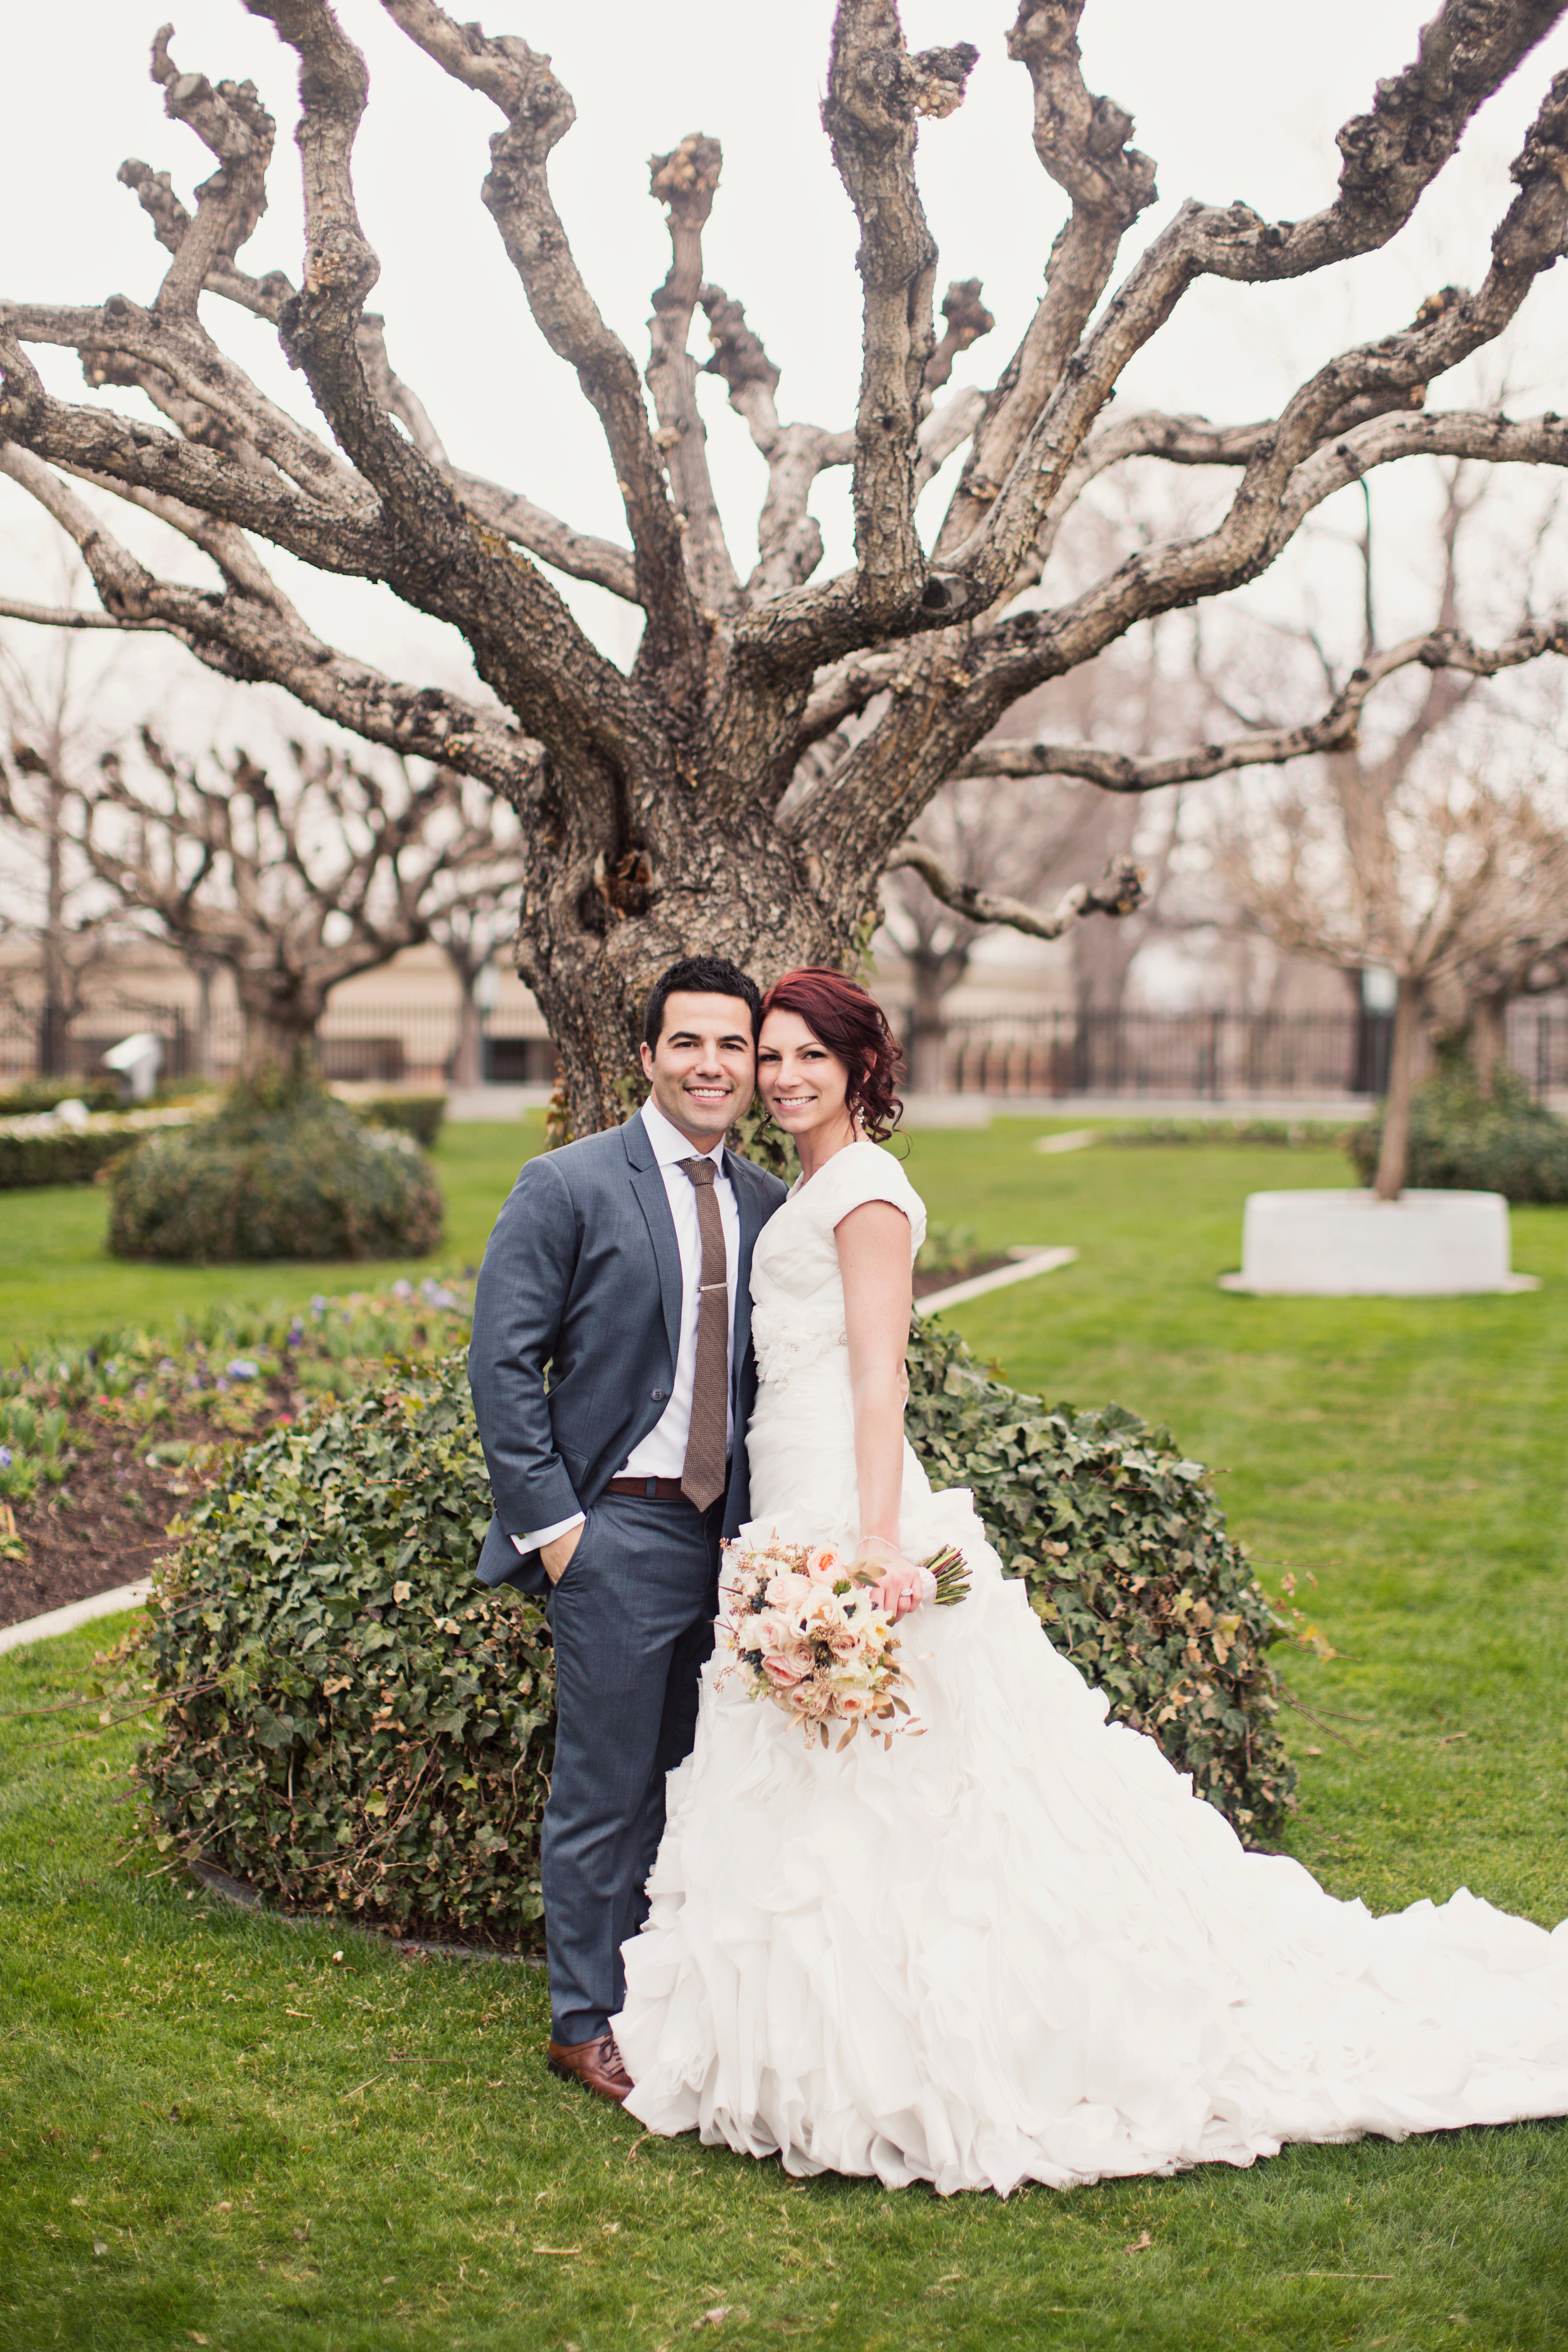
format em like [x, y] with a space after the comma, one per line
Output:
[848, 1020]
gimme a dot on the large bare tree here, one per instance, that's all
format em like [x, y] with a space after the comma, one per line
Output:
[745, 784]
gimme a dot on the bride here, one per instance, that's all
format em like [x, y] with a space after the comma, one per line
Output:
[1018, 1948]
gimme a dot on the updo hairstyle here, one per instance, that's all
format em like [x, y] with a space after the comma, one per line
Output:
[848, 1020]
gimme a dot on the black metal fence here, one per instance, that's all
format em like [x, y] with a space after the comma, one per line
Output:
[1217, 1057]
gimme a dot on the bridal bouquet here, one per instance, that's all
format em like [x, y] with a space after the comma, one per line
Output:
[802, 1630]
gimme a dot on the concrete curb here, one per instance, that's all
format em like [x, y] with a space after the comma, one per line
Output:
[75, 1613]
[1043, 1261]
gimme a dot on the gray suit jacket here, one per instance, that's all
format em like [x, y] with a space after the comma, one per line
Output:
[576, 1327]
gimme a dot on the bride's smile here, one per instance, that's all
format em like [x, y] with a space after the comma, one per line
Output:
[806, 1087]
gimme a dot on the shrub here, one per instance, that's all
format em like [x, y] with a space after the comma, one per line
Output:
[1505, 1142]
[419, 1115]
[283, 1171]
[354, 1725]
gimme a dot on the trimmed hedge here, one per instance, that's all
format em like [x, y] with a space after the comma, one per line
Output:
[354, 1726]
[1505, 1142]
[70, 1155]
[33, 1150]
[31, 1095]
[284, 1170]
[419, 1115]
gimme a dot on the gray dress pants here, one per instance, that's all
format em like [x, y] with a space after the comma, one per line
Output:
[632, 1622]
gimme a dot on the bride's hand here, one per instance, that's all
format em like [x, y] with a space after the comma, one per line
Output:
[902, 1584]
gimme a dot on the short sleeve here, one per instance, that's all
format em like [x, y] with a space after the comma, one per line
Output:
[862, 1172]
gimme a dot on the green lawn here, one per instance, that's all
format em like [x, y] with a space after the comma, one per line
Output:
[56, 1277]
[272, 2149]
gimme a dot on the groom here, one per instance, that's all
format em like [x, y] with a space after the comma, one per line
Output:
[613, 1379]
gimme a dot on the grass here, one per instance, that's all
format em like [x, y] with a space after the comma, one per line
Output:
[272, 2149]
[56, 1277]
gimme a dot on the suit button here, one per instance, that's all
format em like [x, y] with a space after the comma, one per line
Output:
[659, 1396]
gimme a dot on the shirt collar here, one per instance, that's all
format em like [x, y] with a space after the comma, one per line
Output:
[668, 1143]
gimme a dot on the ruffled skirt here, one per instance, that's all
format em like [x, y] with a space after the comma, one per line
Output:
[1017, 1947]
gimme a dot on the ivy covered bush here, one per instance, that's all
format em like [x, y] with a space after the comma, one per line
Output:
[283, 1171]
[353, 1725]
[1460, 1139]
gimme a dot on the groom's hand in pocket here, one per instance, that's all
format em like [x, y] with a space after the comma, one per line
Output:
[555, 1557]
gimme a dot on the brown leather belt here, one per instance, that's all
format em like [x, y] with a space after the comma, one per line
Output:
[649, 1490]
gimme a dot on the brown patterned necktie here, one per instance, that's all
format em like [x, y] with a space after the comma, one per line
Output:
[707, 1444]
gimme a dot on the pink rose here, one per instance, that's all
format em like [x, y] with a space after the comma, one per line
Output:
[780, 1671]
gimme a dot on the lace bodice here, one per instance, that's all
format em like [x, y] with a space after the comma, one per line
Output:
[797, 1293]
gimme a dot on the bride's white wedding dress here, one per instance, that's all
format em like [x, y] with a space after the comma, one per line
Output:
[1018, 1947]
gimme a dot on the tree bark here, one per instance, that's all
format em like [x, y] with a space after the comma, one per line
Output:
[591, 955]
[1409, 1013]
[1488, 1042]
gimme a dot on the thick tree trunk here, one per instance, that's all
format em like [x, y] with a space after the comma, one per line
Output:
[1489, 1041]
[276, 1033]
[1408, 1014]
[591, 957]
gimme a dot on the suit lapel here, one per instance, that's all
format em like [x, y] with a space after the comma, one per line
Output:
[647, 1184]
[749, 1202]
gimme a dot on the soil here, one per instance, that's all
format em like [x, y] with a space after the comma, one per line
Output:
[107, 1525]
[926, 1283]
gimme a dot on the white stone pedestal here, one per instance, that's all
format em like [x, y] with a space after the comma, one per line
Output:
[1333, 1244]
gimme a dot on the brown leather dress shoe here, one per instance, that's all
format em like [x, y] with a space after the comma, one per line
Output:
[597, 2065]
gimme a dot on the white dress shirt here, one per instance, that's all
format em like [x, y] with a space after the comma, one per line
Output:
[662, 1453]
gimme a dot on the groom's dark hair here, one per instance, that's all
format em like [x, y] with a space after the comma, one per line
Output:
[700, 976]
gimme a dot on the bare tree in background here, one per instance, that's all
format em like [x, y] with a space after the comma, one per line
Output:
[471, 933]
[1410, 858]
[745, 787]
[290, 886]
[53, 902]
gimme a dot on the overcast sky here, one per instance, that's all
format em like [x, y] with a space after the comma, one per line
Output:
[1230, 98]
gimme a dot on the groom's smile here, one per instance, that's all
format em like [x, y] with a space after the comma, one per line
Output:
[703, 1072]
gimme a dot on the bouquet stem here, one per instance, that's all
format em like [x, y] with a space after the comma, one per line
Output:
[951, 1576]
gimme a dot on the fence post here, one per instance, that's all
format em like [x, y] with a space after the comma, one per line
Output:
[1216, 1029]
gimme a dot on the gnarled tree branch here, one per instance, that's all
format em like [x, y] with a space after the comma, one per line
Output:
[1119, 891]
